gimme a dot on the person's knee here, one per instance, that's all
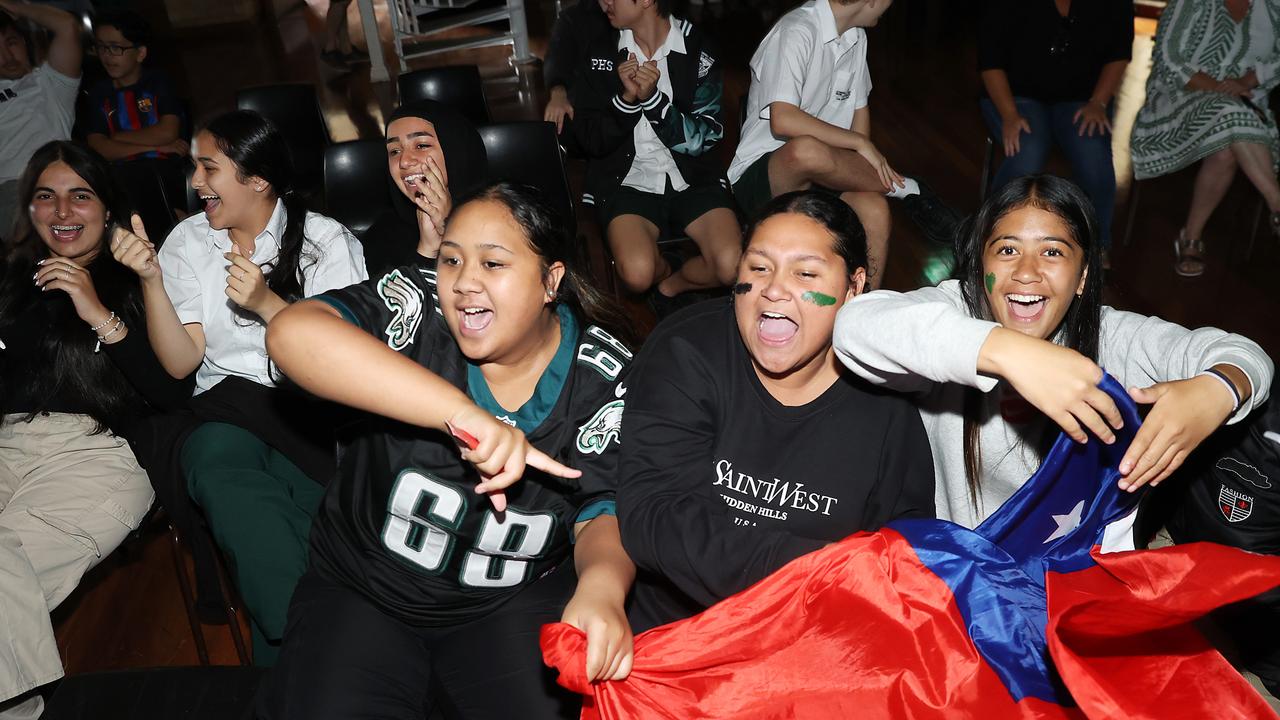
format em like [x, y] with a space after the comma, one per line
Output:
[214, 449]
[806, 156]
[634, 257]
[1223, 160]
[636, 273]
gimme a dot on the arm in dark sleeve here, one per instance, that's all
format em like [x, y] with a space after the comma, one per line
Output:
[601, 121]
[136, 360]
[669, 522]
[993, 34]
[567, 49]
[692, 133]
[905, 488]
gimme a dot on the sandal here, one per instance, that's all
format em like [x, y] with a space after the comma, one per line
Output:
[1188, 256]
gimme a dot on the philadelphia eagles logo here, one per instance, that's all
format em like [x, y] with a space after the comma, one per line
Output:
[602, 429]
[404, 299]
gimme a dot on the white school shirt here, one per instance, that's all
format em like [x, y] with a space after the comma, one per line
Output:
[195, 278]
[803, 61]
[653, 163]
[34, 109]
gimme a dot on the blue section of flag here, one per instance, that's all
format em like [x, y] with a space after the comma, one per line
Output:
[1052, 523]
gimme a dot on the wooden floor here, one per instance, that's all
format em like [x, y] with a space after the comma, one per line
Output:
[128, 612]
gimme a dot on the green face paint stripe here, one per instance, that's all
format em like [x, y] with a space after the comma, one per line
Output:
[819, 299]
[991, 281]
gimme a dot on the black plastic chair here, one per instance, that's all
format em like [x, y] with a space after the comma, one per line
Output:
[456, 85]
[295, 110]
[146, 183]
[528, 152]
[355, 183]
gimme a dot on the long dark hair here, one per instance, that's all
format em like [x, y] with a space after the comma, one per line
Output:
[848, 238]
[549, 239]
[1080, 326]
[259, 149]
[68, 363]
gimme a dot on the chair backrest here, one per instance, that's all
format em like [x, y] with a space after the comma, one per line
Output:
[355, 183]
[143, 184]
[295, 110]
[456, 85]
[528, 152]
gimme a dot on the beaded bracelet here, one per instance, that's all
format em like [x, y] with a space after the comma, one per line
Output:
[103, 338]
[104, 323]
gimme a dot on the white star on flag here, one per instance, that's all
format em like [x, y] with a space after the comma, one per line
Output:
[1066, 523]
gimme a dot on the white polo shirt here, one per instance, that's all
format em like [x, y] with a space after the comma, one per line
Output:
[803, 61]
[195, 278]
[653, 164]
[34, 109]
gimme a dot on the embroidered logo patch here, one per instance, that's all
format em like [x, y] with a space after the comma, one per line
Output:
[705, 62]
[603, 428]
[1234, 505]
[1245, 472]
[404, 299]
[145, 105]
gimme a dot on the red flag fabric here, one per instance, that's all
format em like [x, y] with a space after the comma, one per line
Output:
[865, 629]
[1121, 636]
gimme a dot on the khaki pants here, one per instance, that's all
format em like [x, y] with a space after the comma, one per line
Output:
[67, 499]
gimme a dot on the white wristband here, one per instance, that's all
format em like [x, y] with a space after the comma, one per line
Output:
[1235, 395]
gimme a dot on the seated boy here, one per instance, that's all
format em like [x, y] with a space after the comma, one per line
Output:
[808, 124]
[133, 113]
[648, 114]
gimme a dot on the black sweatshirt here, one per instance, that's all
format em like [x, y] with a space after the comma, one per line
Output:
[1048, 57]
[24, 360]
[721, 484]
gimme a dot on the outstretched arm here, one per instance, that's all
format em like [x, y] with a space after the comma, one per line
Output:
[320, 351]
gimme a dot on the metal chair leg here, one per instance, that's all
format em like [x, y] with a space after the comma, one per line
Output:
[188, 598]
[233, 619]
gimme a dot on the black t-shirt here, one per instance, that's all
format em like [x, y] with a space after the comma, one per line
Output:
[721, 484]
[1048, 57]
[403, 524]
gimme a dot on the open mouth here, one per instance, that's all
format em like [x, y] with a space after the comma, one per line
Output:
[66, 233]
[412, 181]
[474, 320]
[211, 203]
[776, 328]
[1026, 308]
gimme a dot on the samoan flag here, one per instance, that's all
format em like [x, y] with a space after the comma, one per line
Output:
[1023, 617]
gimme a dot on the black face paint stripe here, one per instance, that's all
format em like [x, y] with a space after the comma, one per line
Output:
[742, 288]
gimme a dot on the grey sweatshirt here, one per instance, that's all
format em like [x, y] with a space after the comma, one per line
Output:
[924, 342]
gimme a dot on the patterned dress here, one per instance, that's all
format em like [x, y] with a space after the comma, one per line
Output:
[1178, 127]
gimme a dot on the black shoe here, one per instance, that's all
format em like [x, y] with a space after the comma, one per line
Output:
[664, 305]
[934, 217]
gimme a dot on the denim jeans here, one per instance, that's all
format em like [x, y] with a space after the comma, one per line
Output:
[1090, 157]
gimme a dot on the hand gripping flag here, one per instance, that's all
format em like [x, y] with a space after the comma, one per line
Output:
[1023, 617]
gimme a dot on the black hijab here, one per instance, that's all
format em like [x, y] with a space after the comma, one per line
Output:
[392, 241]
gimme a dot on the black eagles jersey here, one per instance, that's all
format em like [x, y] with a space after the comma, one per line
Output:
[403, 523]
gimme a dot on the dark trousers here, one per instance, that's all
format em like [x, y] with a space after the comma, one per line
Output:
[343, 658]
